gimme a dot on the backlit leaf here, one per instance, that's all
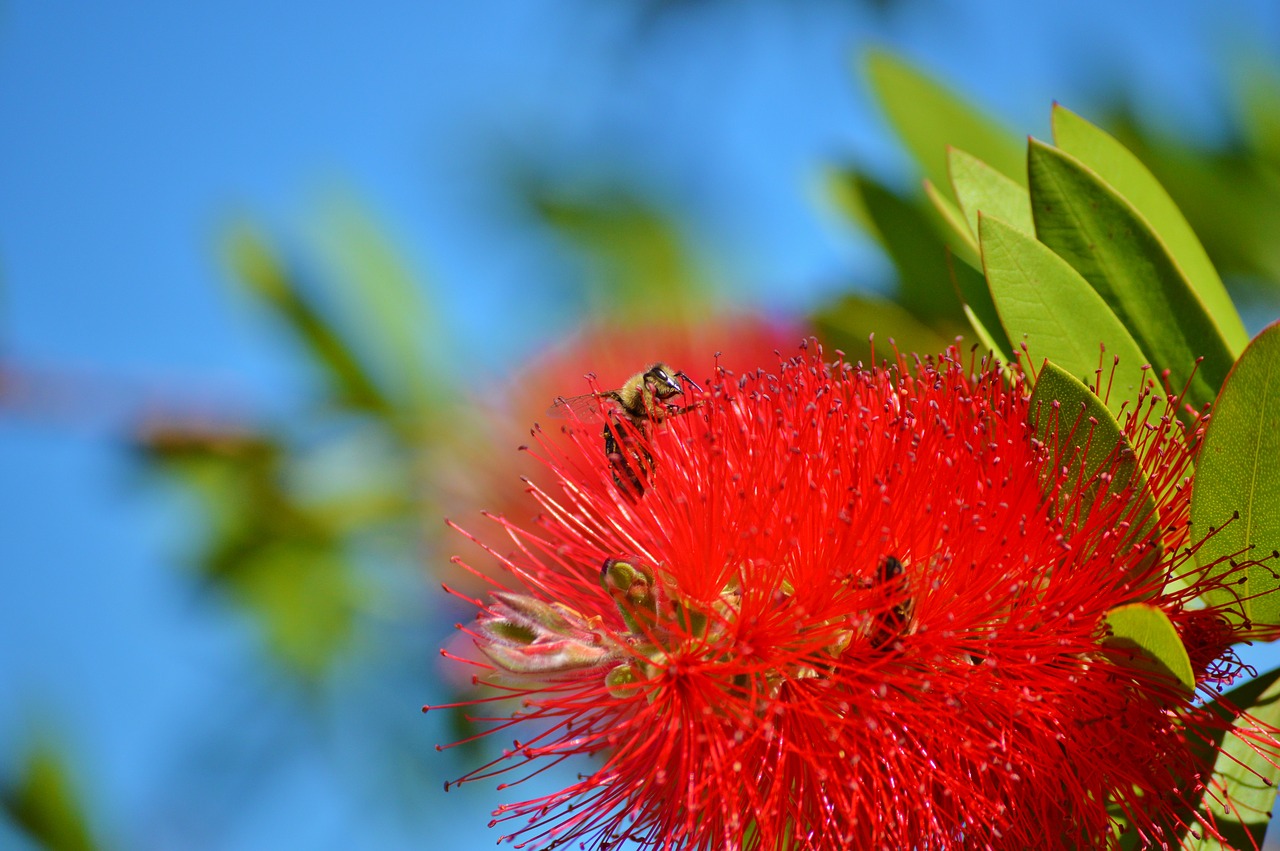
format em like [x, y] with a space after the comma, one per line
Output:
[266, 275]
[979, 187]
[1238, 476]
[637, 262]
[974, 295]
[376, 286]
[1147, 631]
[953, 227]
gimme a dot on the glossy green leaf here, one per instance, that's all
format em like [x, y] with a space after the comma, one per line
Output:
[979, 187]
[1238, 476]
[1114, 163]
[909, 234]
[1086, 441]
[1082, 218]
[1147, 631]
[1246, 771]
[1045, 302]
[928, 117]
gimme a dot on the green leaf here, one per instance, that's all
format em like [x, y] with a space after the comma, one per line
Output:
[1148, 631]
[257, 265]
[908, 232]
[43, 803]
[1248, 770]
[1116, 165]
[307, 599]
[974, 295]
[928, 117]
[849, 323]
[1230, 195]
[269, 550]
[952, 226]
[376, 287]
[1238, 472]
[1108, 242]
[636, 259]
[980, 188]
[1086, 440]
[1042, 299]
[840, 189]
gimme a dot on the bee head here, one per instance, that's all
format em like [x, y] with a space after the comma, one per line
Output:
[665, 381]
[662, 381]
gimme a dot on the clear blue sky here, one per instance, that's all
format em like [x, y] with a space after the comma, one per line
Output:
[131, 133]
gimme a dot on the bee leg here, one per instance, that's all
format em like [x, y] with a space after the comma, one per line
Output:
[627, 479]
[677, 410]
[892, 622]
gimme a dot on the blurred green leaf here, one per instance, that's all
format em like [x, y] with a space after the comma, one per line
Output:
[974, 297]
[1246, 767]
[1086, 441]
[840, 186]
[307, 600]
[44, 804]
[953, 227]
[1042, 299]
[1238, 476]
[1258, 83]
[1099, 233]
[928, 118]
[848, 324]
[1230, 196]
[979, 187]
[639, 264]
[377, 288]
[910, 238]
[261, 270]
[1125, 173]
[1148, 631]
[281, 560]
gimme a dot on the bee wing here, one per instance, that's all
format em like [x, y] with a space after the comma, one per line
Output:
[589, 407]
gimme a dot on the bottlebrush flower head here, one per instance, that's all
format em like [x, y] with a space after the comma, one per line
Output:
[848, 608]
[484, 473]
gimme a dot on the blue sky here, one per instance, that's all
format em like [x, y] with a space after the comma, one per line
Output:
[135, 133]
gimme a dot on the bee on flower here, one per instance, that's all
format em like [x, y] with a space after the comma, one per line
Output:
[854, 608]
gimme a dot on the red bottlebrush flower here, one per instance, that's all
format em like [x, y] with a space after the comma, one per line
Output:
[484, 474]
[844, 613]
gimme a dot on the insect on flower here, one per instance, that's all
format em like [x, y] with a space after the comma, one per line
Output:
[854, 611]
[891, 622]
[640, 401]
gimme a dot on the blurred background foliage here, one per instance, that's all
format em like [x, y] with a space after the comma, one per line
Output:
[314, 521]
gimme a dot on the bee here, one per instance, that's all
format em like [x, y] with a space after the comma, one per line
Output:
[893, 622]
[641, 400]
